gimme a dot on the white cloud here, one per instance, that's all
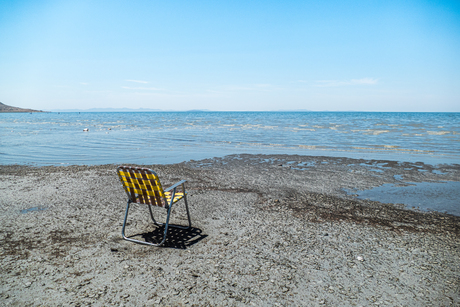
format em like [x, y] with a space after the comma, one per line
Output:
[364, 81]
[248, 87]
[332, 83]
[137, 81]
[142, 88]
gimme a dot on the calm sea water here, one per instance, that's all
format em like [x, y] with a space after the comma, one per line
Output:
[171, 137]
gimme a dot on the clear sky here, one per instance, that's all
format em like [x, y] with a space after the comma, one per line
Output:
[231, 55]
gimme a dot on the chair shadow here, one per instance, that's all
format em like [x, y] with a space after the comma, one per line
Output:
[176, 238]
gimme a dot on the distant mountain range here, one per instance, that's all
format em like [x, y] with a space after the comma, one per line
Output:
[106, 110]
[154, 110]
[9, 109]
[119, 110]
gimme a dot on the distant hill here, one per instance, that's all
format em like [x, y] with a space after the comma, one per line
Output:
[106, 110]
[9, 109]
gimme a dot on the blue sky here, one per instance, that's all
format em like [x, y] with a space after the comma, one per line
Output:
[231, 55]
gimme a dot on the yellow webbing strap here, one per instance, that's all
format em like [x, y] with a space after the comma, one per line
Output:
[142, 186]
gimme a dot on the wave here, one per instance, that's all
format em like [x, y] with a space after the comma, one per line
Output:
[438, 132]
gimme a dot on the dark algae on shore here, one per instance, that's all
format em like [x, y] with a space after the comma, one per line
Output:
[333, 175]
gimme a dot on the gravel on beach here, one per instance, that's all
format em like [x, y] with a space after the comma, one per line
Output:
[268, 230]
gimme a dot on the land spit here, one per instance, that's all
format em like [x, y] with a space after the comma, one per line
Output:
[267, 231]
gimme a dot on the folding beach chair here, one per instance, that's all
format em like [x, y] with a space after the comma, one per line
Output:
[143, 187]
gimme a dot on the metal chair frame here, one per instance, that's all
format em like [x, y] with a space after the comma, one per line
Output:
[146, 198]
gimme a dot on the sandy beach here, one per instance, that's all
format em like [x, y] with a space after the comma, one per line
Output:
[266, 232]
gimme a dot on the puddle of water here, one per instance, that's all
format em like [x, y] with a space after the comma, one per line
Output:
[307, 164]
[382, 166]
[300, 165]
[439, 196]
[24, 211]
[398, 177]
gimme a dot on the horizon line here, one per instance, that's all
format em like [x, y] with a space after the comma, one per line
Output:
[146, 110]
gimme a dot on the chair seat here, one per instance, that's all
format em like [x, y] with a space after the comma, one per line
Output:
[178, 196]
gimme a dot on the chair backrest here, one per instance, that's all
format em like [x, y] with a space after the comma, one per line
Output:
[142, 185]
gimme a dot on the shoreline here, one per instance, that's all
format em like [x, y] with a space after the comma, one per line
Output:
[414, 158]
[393, 174]
[266, 231]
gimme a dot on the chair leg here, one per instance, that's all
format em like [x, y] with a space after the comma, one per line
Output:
[151, 215]
[124, 222]
[174, 226]
[166, 225]
[188, 215]
[138, 241]
[186, 207]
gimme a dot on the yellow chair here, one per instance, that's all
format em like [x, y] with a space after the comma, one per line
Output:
[143, 187]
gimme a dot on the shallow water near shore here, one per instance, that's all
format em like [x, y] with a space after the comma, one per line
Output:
[425, 196]
[417, 186]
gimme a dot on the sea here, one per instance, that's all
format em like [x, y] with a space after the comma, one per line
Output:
[92, 138]
[89, 138]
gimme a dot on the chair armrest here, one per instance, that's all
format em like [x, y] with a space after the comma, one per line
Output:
[175, 185]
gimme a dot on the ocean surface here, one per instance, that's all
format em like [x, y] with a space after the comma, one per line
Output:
[172, 137]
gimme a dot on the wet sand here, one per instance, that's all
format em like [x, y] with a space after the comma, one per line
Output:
[267, 231]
